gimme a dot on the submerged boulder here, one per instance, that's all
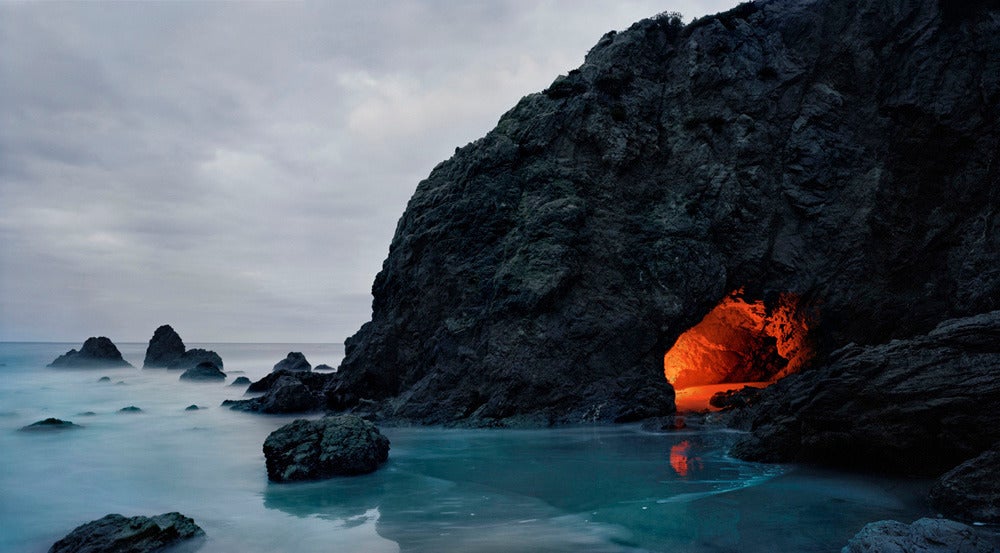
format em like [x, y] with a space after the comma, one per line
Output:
[204, 371]
[344, 445]
[926, 535]
[95, 352]
[971, 491]
[49, 424]
[295, 361]
[164, 348]
[193, 357]
[115, 533]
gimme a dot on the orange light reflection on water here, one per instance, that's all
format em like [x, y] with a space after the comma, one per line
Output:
[681, 460]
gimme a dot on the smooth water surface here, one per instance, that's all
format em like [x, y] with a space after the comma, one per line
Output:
[577, 489]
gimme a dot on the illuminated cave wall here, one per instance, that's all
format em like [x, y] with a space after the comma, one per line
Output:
[741, 340]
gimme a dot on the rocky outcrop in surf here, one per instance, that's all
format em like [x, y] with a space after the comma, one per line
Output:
[164, 348]
[99, 352]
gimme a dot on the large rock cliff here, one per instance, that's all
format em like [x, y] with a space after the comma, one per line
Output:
[845, 151]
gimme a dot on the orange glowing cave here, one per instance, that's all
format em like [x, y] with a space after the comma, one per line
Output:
[739, 343]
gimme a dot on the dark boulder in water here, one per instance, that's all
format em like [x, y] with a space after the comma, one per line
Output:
[49, 425]
[130, 409]
[830, 149]
[926, 535]
[241, 381]
[104, 379]
[919, 406]
[164, 348]
[98, 352]
[295, 361]
[192, 408]
[204, 371]
[971, 491]
[287, 392]
[117, 534]
[344, 445]
[193, 357]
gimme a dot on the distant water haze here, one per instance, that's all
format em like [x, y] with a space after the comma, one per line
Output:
[587, 489]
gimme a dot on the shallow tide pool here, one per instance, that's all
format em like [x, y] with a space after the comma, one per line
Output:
[568, 489]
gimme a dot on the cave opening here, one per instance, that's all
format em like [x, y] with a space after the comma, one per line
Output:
[740, 342]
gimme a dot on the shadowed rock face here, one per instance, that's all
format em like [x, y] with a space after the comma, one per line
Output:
[926, 535]
[843, 151]
[920, 405]
[971, 491]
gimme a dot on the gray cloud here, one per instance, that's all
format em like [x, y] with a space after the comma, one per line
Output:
[237, 169]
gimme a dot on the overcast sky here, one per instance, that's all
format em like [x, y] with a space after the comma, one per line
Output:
[237, 169]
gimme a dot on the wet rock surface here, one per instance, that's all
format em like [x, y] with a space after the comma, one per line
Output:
[971, 491]
[344, 445]
[926, 535]
[115, 533]
[164, 348]
[917, 406]
[206, 371]
[99, 352]
[827, 148]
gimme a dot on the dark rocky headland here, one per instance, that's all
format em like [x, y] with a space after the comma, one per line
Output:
[827, 168]
[841, 153]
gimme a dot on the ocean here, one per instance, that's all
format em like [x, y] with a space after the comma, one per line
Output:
[581, 489]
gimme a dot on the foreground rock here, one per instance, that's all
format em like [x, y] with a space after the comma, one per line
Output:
[926, 535]
[164, 348]
[917, 406]
[333, 446]
[95, 352]
[295, 361]
[117, 534]
[971, 491]
[206, 371]
[193, 357]
[284, 392]
[49, 424]
[830, 148]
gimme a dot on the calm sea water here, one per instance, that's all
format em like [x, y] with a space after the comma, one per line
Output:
[578, 489]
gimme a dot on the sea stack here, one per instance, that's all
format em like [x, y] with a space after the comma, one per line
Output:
[165, 347]
[98, 352]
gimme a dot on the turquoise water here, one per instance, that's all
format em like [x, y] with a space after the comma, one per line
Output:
[576, 489]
